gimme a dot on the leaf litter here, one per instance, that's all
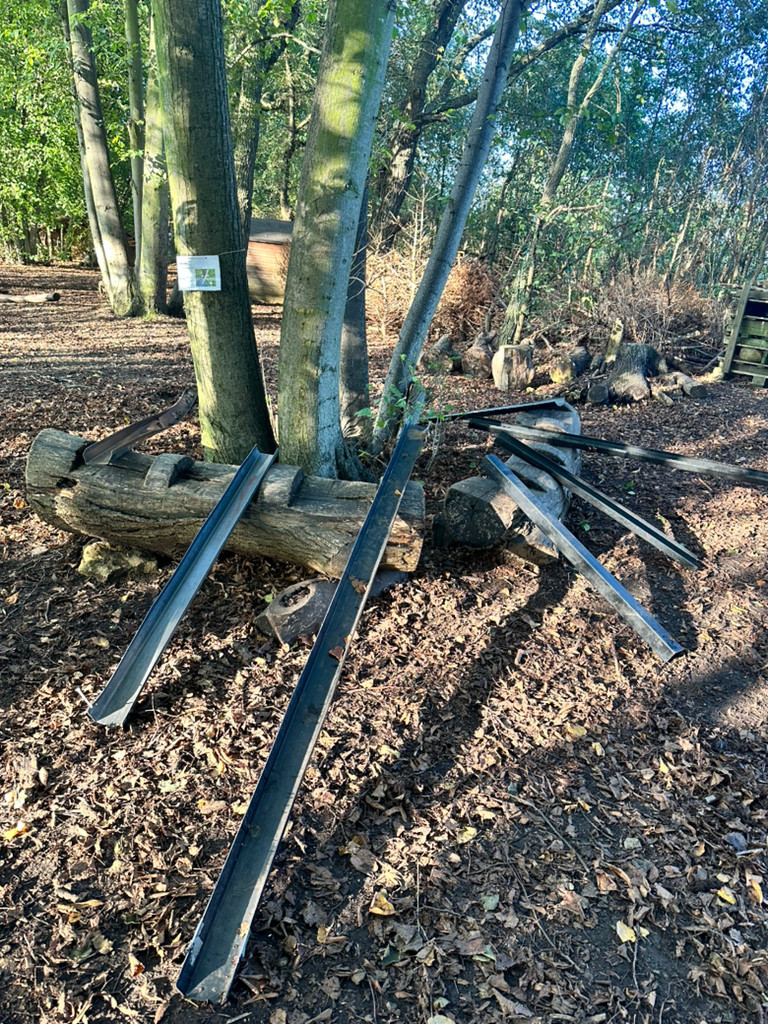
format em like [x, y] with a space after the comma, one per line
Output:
[512, 814]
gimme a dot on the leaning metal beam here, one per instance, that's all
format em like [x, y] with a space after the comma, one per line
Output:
[547, 403]
[613, 509]
[219, 941]
[100, 453]
[707, 467]
[606, 584]
[116, 700]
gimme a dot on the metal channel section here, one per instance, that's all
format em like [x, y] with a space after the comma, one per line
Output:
[547, 403]
[219, 941]
[613, 509]
[607, 585]
[116, 700]
[103, 452]
[706, 467]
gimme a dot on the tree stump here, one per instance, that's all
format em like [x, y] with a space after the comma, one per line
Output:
[567, 368]
[159, 504]
[633, 365]
[440, 357]
[476, 361]
[512, 367]
[479, 513]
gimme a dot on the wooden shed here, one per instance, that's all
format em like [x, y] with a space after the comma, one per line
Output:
[746, 352]
[269, 246]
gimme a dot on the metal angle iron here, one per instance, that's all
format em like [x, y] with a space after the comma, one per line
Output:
[101, 453]
[219, 940]
[607, 585]
[707, 467]
[614, 509]
[501, 410]
[115, 702]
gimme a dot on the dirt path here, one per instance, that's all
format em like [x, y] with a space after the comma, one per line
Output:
[514, 813]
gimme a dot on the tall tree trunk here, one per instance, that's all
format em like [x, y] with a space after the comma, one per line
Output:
[392, 183]
[152, 267]
[349, 85]
[246, 108]
[106, 228]
[190, 62]
[136, 119]
[481, 130]
[353, 364]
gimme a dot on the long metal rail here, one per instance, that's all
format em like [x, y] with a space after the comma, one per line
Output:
[116, 700]
[100, 453]
[607, 585]
[707, 467]
[218, 943]
[614, 509]
[546, 403]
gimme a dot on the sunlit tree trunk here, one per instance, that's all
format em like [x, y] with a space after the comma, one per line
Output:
[191, 72]
[136, 119]
[106, 227]
[349, 85]
[152, 265]
[478, 144]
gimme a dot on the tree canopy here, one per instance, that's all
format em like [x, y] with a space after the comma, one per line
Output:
[651, 158]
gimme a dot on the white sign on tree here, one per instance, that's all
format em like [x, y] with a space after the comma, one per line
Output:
[198, 273]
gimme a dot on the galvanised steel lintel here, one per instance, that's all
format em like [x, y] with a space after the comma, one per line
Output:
[100, 453]
[116, 700]
[607, 585]
[706, 467]
[219, 941]
[614, 509]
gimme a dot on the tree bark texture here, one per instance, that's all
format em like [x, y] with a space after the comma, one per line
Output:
[478, 144]
[353, 366]
[106, 226]
[512, 367]
[152, 254]
[479, 513]
[191, 70]
[567, 368]
[136, 120]
[633, 365]
[159, 504]
[346, 103]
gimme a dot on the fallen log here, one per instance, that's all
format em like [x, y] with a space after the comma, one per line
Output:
[31, 297]
[159, 504]
[478, 511]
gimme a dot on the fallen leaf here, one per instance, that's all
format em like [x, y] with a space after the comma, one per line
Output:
[17, 830]
[625, 933]
[381, 905]
[466, 835]
[135, 966]
[754, 887]
[102, 944]
[726, 895]
[337, 653]
[575, 732]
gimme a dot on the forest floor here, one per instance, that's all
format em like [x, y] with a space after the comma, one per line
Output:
[514, 811]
